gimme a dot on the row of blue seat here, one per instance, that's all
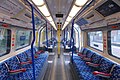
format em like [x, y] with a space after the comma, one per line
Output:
[20, 67]
[91, 66]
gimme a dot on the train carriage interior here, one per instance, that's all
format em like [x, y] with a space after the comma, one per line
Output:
[59, 39]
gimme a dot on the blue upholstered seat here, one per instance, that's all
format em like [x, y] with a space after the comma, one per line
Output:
[85, 72]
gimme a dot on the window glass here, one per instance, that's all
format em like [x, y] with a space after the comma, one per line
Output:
[22, 38]
[115, 43]
[5, 41]
[77, 35]
[95, 40]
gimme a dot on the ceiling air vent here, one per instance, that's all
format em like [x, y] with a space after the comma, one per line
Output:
[108, 8]
[90, 16]
[59, 15]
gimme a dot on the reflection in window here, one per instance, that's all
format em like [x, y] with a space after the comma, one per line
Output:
[95, 40]
[5, 41]
[22, 38]
[115, 43]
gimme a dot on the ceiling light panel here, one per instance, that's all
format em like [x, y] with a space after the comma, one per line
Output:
[80, 2]
[49, 18]
[38, 2]
[74, 10]
[53, 24]
[65, 24]
[44, 10]
[68, 19]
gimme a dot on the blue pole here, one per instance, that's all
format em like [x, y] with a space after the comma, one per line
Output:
[33, 22]
[51, 32]
[46, 37]
[66, 34]
[64, 38]
[72, 40]
[32, 44]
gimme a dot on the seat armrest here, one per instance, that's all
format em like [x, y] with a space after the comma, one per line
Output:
[28, 62]
[92, 64]
[36, 56]
[87, 59]
[102, 74]
[81, 55]
[39, 52]
[17, 71]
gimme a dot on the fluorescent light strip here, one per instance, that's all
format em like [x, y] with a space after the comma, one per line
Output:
[38, 2]
[49, 18]
[75, 9]
[68, 19]
[65, 24]
[53, 24]
[44, 10]
[80, 2]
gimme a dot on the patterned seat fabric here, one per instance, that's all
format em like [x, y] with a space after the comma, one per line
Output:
[115, 73]
[85, 51]
[13, 63]
[96, 58]
[3, 72]
[105, 65]
[89, 54]
[89, 76]
[85, 72]
[23, 58]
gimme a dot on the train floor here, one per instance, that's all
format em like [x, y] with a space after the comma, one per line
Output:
[58, 68]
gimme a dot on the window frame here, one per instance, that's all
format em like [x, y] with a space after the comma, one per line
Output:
[24, 45]
[88, 40]
[9, 32]
[109, 44]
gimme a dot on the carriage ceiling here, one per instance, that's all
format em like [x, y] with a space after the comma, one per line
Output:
[18, 13]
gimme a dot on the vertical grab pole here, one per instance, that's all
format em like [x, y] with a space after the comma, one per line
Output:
[72, 40]
[64, 38]
[32, 44]
[33, 23]
[66, 34]
[51, 32]
[46, 37]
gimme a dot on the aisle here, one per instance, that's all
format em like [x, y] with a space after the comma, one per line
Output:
[58, 68]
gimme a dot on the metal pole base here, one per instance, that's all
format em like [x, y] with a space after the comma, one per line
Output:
[58, 55]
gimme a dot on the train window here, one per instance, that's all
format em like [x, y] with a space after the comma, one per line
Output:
[95, 40]
[115, 43]
[5, 41]
[22, 38]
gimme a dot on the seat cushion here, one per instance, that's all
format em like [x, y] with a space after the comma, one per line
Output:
[89, 76]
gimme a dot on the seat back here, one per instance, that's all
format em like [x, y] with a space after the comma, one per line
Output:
[89, 54]
[13, 63]
[22, 57]
[106, 65]
[3, 72]
[115, 73]
[85, 51]
[96, 58]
